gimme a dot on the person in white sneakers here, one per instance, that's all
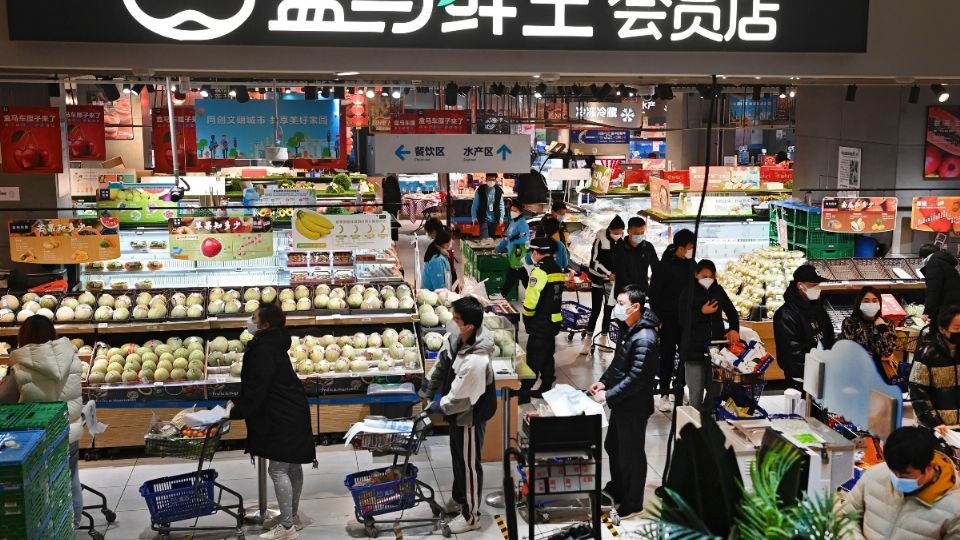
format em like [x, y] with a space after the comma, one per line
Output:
[463, 375]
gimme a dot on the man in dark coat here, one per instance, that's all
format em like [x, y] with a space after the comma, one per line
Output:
[801, 323]
[638, 258]
[391, 203]
[274, 405]
[942, 279]
[627, 386]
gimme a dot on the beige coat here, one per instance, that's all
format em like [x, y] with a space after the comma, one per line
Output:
[931, 513]
[51, 372]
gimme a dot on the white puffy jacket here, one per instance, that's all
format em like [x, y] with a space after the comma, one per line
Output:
[51, 372]
[933, 513]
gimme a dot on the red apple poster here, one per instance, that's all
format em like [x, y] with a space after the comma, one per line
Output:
[936, 214]
[30, 140]
[220, 239]
[186, 125]
[942, 153]
[86, 133]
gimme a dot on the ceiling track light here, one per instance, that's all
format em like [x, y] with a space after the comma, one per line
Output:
[914, 96]
[621, 90]
[311, 93]
[205, 91]
[941, 92]
[756, 92]
[576, 90]
[515, 91]
[792, 93]
[340, 93]
[232, 92]
[127, 89]
[540, 91]
[370, 93]
[851, 92]
[664, 92]
[783, 92]
[396, 93]
[450, 97]
[464, 90]
[605, 91]
[243, 95]
[326, 91]
[110, 91]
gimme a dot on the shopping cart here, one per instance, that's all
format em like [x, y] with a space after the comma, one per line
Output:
[576, 316]
[395, 488]
[192, 495]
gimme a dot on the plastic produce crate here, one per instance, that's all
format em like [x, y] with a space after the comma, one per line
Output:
[46, 416]
[23, 485]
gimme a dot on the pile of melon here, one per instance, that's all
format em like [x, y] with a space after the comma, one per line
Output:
[172, 360]
[434, 308]
[387, 352]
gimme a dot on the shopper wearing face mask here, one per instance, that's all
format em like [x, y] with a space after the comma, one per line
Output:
[514, 244]
[274, 405]
[558, 212]
[801, 323]
[670, 278]
[866, 327]
[934, 379]
[541, 316]
[488, 210]
[602, 277]
[709, 304]
[437, 273]
[638, 258]
[941, 278]
[627, 387]
[913, 494]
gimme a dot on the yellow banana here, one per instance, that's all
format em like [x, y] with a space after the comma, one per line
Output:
[310, 226]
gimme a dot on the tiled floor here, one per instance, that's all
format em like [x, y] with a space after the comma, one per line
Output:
[326, 503]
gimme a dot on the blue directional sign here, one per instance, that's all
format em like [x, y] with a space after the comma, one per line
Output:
[425, 154]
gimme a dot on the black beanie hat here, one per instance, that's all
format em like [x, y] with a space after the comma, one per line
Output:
[616, 223]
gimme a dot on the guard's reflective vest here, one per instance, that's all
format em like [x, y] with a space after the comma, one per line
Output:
[541, 303]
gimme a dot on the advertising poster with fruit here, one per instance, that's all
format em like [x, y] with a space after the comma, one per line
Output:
[314, 231]
[942, 156]
[86, 135]
[64, 241]
[30, 140]
[660, 195]
[185, 122]
[859, 214]
[936, 214]
[220, 239]
[136, 204]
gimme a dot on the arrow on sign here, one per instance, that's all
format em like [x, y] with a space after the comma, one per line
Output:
[400, 153]
[503, 151]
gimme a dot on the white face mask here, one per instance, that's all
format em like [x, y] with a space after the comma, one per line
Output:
[705, 282]
[636, 238]
[620, 313]
[870, 310]
[492, 184]
[252, 326]
[616, 236]
[514, 214]
[688, 254]
[560, 217]
[812, 293]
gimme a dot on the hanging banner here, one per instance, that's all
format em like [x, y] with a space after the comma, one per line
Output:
[600, 136]
[613, 114]
[936, 214]
[30, 140]
[186, 126]
[314, 231]
[86, 133]
[430, 123]
[404, 124]
[429, 154]
[220, 239]
[848, 171]
[719, 176]
[859, 214]
[136, 204]
[64, 241]
[942, 153]
[660, 195]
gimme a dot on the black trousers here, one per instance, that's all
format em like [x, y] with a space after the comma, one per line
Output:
[514, 277]
[669, 345]
[598, 305]
[628, 459]
[540, 358]
[465, 445]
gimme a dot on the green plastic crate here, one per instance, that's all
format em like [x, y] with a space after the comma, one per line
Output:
[814, 253]
[492, 262]
[47, 416]
[9, 414]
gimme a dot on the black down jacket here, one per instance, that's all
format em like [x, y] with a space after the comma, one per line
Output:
[797, 327]
[630, 378]
[943, 283]
[935, 383]
[273, 402]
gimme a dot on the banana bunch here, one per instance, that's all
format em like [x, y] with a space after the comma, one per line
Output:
[312, 225]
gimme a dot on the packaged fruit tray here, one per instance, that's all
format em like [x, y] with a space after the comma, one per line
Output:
[843, 269]
[903, 268]
[872, 269]
[172, 360]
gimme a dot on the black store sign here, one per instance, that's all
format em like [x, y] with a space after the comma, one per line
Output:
[838, 26]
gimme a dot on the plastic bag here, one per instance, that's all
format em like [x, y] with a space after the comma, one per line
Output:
[478, 290]
[206, 417]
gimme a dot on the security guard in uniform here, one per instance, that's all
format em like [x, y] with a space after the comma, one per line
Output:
[541, 315]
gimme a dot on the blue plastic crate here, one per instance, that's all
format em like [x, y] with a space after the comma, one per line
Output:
[21, 459]
[176, 498]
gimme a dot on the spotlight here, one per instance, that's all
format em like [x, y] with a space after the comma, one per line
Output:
[632, 92]
[243, 95]
[914, 97]
[756, 93]
[385, 91]
[595, 90]
[396, 93]
[370, 93]
[180, 96]
[515, 91]
[110, 91]
[205, 91]
[53, 90]
[288, 91]
[540, 90]
[783, 92]
[340, 93]
[605, 91]
[450, 94]
[310, 93]
[940, 92]
[137, 88]
[326, 91]
[793, 93]
[562, 90]
[664, 92]
[498, 89]
[406, 90]
[621, 90]
[232, 92]
[707, 91]
[151, 88]
[851, 92]
[576, 90]
[126, 88]
[464, 91]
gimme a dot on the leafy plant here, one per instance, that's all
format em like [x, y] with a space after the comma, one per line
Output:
[343, 180]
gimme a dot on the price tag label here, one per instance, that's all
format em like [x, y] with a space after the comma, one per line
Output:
[365, 319]
[157, 383]
[103, 325]
[220, 380]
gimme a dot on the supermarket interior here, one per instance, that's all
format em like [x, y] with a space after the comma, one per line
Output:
[670, 269]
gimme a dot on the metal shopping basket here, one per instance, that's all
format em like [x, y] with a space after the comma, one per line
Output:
[395, 488]
[191, 495]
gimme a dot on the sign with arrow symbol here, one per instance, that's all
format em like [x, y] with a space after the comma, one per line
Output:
[429, 154]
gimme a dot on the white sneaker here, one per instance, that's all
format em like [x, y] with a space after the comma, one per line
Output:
[665, 406]
[272, 523]
[452, 507]
[281, 533]
[460, 525]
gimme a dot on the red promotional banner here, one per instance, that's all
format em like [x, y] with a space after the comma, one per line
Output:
[859, 214]
[776, 174]
[442, 122]
[86, 135]
[680, 177]
[30, 140]
[186, 125]
[404, 124]
[942, 151]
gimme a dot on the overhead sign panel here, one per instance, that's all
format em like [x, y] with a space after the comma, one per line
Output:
[422, 154]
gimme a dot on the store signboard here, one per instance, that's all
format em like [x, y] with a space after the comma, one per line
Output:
[660, 195]
[30, 140]
[767, 111]
[936, 214]
[86, 133]
[942, 153]
[848, 171]
[320, 232]
[64, 241]
[429, 122]
[427, 154]
[607, 25]
[186, 125]
[600, 136]
[220, 238]
[613, 114]
[86, 182]
[859, 214]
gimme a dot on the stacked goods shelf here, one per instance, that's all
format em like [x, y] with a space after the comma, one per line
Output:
[805, 234]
